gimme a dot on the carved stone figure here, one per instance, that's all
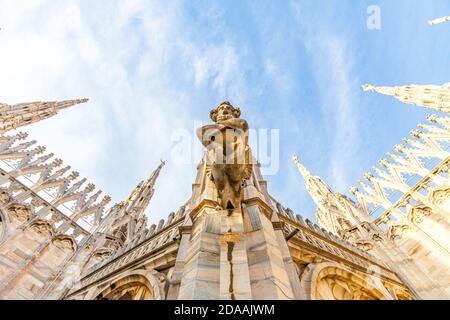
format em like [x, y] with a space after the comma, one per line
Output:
[228, 159]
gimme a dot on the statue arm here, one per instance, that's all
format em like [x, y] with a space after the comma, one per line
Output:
[235, 123]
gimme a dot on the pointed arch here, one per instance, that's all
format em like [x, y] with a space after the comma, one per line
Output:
[331, 281]
[131, 285]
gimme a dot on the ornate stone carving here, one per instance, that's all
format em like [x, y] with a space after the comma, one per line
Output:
[349, 236]
[228, 159]
[65, 243]
[419, 214]
[441, 197]
[42, 228]
[102, 254]
[396, 231]
[364, 245]
[19, 212]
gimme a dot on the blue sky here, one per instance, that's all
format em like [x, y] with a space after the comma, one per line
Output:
[152, 68]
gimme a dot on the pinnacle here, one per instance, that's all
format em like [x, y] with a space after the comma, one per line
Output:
[65, 103]
[303, 170]
[427, 96]
[22, 114]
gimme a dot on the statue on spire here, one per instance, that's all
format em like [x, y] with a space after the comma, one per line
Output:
[22, 114]
[228, 159]
[427, 96]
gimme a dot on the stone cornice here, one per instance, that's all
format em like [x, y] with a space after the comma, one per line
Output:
[267, 210]
[205, 203]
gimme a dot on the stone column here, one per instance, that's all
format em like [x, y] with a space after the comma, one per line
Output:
[234, 273]
[201, 272]
[177, 274]
[268, 275]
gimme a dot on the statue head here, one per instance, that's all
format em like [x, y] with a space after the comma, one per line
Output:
[224, 111]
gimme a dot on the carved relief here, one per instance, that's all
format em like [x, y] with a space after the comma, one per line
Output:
[19, 212]
[102, 254]
[419, 214]
[441, 197]
[65, 243]
[42, 228]
[396, 231]
[364, 245]
[349, 236]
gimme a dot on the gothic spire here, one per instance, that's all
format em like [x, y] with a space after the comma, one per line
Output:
[303, 170]
[427, 96]
[315, 185]
[22, 114]
[140, 197]
[330, 213]
[127, 219]
[439, 20]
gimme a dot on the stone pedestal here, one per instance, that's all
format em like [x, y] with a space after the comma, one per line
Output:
[233, 255]
[215, 264]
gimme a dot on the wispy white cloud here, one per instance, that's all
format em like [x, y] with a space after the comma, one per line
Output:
[346, 145]
[332, 58]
